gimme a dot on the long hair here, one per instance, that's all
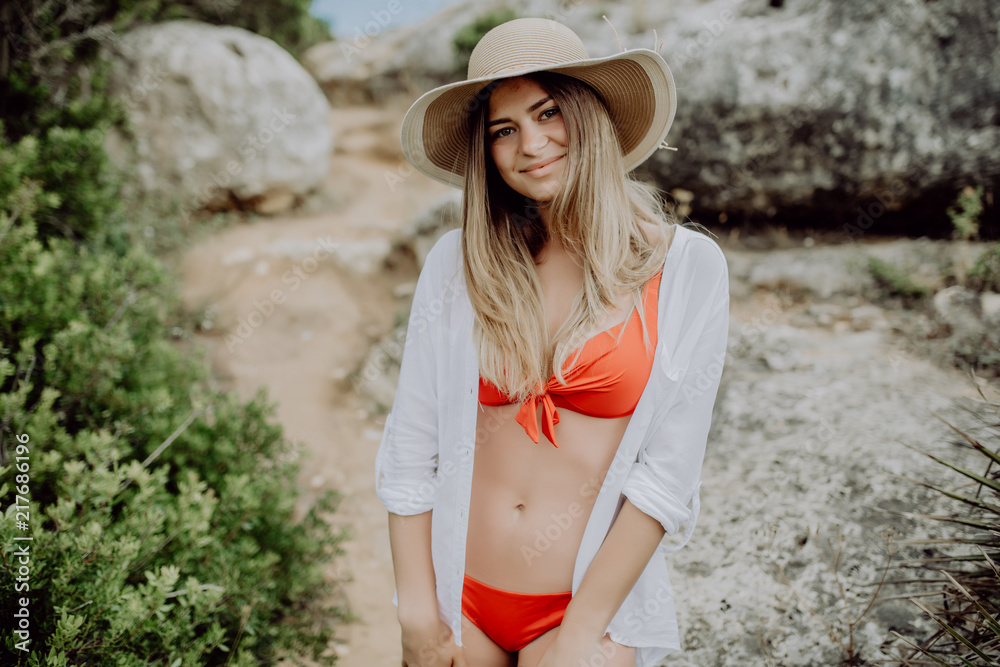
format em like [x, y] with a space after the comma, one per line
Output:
[597, 214]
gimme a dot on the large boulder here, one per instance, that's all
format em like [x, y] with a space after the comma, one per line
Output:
[840, 111]
[846, 112]
[378, 60]
[221, 116]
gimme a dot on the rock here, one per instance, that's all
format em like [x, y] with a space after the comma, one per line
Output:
[365, 256]
[794, 460]
[823, 271]
[852, 112]
[405, 290]
[429, 225]
[828, 271]
[989, 303]
[778, 346]
[378, 375]
[221, 116]
[925, 262]
[868, 317]
[374, 65]
[825, 313]
[839, 110]
[959, 308]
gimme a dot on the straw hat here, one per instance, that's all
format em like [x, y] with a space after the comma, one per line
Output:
[636, 85]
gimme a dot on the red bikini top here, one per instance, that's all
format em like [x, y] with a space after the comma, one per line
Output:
[606, 381]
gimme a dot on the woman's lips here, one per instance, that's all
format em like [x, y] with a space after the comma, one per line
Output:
[544, 169]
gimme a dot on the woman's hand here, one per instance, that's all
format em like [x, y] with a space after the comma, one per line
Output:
[431, 644]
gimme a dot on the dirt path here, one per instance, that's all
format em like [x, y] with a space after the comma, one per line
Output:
[291, 318]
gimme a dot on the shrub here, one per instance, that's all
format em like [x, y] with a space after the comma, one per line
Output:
[161, 512]
[468, 36]
[985, 272]
[894, 281]
[969, 567]
[965, 218]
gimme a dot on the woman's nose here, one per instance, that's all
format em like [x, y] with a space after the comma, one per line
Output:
[533, 140]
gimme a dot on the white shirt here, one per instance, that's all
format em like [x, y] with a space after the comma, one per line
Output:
[425, 460]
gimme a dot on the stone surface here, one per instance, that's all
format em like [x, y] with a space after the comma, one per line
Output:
[221, 117]
[959, 308]
[428, 226]
[834, 110]
[858, 112]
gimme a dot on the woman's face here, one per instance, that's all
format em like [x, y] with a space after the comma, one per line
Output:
[527, 138]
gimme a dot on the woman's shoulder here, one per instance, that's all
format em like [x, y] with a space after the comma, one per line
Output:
[697, 250]
[443, 258]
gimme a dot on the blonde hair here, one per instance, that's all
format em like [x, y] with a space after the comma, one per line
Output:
[597, 214]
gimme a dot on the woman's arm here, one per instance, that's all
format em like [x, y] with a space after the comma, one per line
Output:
[406, 466]
[625, 553]
[427, 640]
[410, 542]
[407, 459]
[666, 475]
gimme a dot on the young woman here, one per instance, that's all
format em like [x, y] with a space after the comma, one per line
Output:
[562, 359]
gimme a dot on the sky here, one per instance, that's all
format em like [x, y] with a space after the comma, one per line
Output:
[346, 15]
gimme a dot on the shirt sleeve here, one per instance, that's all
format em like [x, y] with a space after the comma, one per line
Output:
[665, 478]
[407, 459]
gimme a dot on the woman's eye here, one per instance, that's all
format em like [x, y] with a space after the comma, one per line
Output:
[500, 133]
[554, 111]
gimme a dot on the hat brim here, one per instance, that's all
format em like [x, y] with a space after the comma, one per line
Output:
[636, 85]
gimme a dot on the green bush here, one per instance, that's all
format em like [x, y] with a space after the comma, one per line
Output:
[894, 282]
[161, 511]
[965, 218]
[468, 36]
[136, 559]
[985, 272]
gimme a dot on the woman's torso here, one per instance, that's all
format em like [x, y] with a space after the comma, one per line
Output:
[531, 501]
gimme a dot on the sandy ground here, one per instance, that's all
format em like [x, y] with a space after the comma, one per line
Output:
[290, 318]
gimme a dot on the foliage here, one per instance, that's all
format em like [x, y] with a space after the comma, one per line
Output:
[894, 281]
[985, 272]
[842, 631]
[163, 513]
[969, 587]
[468, 36]
[965, 218]
[141, 553]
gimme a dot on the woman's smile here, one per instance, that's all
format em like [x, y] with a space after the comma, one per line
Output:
[544, 169]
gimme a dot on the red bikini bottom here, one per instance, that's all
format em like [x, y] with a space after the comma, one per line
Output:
[512, 620]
